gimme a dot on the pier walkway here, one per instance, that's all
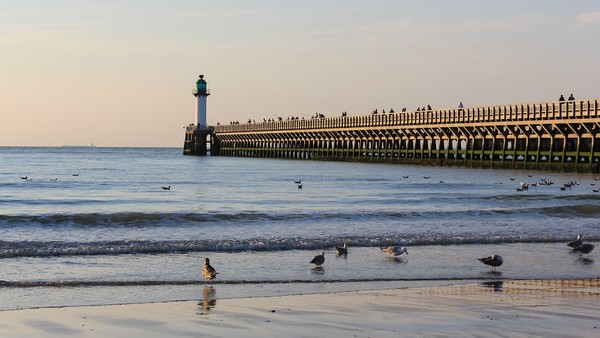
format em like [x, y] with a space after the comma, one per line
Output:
[561, 135]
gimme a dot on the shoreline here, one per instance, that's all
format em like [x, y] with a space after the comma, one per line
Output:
[554, 307]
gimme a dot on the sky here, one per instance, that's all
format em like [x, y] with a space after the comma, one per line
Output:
[121, 73]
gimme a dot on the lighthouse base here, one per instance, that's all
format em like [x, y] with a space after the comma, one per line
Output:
[198, 141]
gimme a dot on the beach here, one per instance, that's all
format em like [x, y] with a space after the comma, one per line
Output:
[525, 308]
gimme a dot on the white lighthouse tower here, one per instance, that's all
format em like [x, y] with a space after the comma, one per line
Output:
[200, 92]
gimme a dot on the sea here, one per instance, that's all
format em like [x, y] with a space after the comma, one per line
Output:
[94, 226]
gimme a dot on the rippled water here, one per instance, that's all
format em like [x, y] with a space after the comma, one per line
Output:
[94, 226]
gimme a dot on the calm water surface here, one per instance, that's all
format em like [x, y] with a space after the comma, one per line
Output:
[94, 226]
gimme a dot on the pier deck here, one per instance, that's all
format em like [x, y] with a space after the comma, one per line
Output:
[561, 135]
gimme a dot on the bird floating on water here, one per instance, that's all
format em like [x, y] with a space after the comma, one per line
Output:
[208, 272]
[318, 260]
[585, 249]
[494, 261]
[342, 250]
[298, 181]
[166, 188]
[299, 185]
[23, 177]
[395, 250]
[576, 242]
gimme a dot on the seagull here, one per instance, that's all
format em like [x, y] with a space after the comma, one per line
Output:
[23, 177]
[298, 181]
[319, 259]
[75, 174]
[493, 261]
[343, 250]
[596, 190]
[405, 176]
[395, 250]
[166, 188]
[576, 243]
[299, 185]
[585, 249]
[208, 272]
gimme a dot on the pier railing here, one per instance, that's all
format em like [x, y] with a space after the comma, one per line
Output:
[558, 110]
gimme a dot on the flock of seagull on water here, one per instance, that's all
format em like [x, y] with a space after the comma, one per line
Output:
[209, 273]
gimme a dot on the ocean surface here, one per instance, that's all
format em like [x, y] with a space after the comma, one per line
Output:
[92, 225]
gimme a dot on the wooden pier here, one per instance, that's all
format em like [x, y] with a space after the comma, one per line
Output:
[560, 135]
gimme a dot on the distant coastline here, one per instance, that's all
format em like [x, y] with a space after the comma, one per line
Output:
[79, 145]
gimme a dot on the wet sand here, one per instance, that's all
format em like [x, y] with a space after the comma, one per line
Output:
[540, 308]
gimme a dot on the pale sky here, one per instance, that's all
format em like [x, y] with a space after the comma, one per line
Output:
[121, 73]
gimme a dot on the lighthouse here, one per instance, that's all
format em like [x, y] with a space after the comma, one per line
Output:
[200, 92]
[199, 139]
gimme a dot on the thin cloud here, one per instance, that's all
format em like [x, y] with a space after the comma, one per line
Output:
[589, 17]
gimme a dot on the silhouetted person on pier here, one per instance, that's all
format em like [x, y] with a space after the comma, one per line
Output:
[561, 98]
[571, 98]
[418, 108]
[428, 107]
[391, 110]
[404, 109]
[383, 111]
[460, 105]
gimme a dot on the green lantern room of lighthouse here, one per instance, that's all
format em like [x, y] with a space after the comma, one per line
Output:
[201, 86]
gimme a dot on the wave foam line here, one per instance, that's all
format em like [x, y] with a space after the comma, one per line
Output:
[141, 219]
[58, 284]
[113, 248]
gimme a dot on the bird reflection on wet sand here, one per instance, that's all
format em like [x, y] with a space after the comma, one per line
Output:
[496, 286]
[209, 300]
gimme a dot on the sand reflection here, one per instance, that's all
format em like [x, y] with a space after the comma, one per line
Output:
[209, 300]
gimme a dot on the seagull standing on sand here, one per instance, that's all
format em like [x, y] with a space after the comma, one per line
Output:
[343, 250]
[208, 272]
[585, 249]
[395, 250]
[494, 261]
[318, 260]
[576, 243]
